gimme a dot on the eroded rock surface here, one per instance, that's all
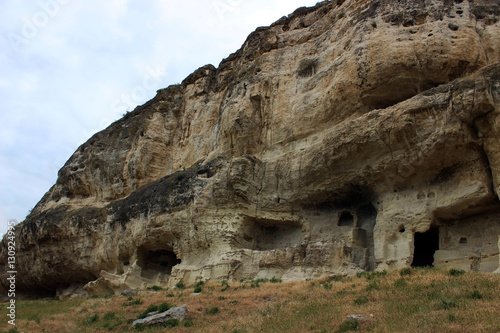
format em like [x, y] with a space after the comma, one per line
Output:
[353, 135]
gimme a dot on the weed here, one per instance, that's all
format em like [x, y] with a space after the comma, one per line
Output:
[144, 314]
[199, 284]
[409, 120]
[341, 15]
[361, 300]
[212, 311]
[155, 288]
[92, 319]
[405, 271]
[140, 327]
[234, 302]
[275, 280]
[447, 304]
[225, 286]
[152, 308]
[35, 318]
[456, 272]
[13, 330]
[180, 285]
[371, 275]
[188, 323]
[327, 286]
[400, 283]
[131, 302]
[475, 295]
[373, 285]
[337, 278]
[109, 316]
[452, 317]
[349, 325]
[163, 307]
[170, 295]
[171, 323]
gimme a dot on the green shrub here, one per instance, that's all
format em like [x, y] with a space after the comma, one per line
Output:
[361, 300]
[198, 289]
[149, 309]
[155, 288]
[109, 316]
[373, 285]
[212, 311]
[163, 307]
[188, 323]
[349, 325]
[92, 319]
[131, 302]
[341, 15]
[456, 272]
[225, 286]
[447, 304]
[452, 317]
[400, 283]
[476, 295]
[140, 327]
[327, 286]
[337, 278]
[371, 275]
[35, 318]
[275, 280]
[180, 285]
[405, 271]
[171, 323]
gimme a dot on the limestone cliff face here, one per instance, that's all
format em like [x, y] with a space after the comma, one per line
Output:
[353, 135]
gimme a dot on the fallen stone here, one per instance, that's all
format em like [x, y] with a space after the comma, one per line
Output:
[178, 313]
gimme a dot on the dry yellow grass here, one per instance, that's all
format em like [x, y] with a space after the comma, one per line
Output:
[426, 300]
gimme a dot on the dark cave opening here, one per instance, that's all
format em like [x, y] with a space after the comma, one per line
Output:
[159, 261]
[346, 219]
[426, 244]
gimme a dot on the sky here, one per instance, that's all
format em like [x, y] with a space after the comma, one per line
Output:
[69, 68]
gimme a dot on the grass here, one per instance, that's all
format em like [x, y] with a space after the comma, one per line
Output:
[423, 300]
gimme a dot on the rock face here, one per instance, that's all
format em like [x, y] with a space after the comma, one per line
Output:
[353, 135]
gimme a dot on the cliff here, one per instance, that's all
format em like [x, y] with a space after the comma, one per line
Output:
[353, 135]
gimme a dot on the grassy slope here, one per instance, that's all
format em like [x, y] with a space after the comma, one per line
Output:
[425, 300]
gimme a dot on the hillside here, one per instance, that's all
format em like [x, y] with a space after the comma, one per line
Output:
[419, 300]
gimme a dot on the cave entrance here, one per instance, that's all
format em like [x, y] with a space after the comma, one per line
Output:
[425, 245]
[157, 261]
[266, 234]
